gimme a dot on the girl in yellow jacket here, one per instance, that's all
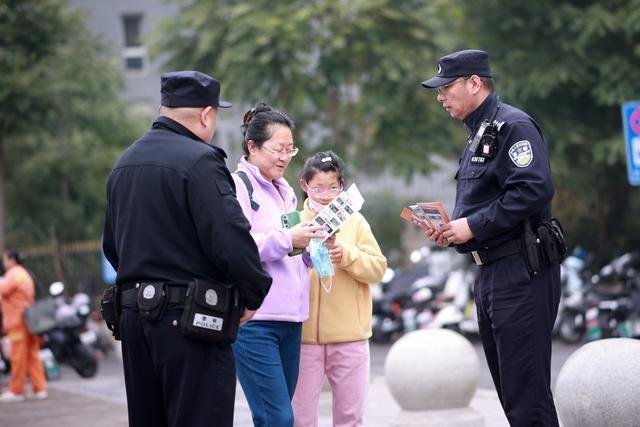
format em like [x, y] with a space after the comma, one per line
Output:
[335, 337]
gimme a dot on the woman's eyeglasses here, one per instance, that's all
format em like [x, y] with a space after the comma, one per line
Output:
[282, 154]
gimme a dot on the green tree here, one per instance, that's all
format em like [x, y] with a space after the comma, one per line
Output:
[571, 64]
[349, 72]
[61, 122]
[378, 209]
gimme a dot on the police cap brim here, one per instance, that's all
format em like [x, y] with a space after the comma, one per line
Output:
[437, 82]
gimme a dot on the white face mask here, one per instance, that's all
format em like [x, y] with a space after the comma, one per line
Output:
[315, 206]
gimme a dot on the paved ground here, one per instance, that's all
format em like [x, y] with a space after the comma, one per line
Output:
[101, 401]
[82, 407]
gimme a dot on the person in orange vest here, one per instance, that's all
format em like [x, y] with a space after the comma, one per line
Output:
[17, 291]
[2, 355]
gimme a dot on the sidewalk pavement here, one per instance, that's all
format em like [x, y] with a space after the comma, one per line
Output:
[101, 402]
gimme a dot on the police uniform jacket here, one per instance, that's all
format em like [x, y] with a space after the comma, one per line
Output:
[497, 194]
[172, 215]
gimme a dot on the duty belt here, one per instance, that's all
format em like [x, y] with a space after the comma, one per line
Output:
[129, 293]
[489, 255]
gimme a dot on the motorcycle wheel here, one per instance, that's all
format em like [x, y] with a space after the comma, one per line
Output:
[380, 336]
[84, 362]
[569, 331]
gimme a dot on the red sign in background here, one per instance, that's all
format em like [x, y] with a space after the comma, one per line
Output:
[634, 121]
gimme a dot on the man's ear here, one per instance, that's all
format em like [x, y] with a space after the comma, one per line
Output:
[204, 113]
[476, 84]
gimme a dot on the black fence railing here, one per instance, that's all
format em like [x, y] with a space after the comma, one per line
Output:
[77, 264]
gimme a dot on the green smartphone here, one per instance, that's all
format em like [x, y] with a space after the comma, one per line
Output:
[289, 220]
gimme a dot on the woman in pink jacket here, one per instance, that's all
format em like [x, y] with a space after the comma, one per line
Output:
[267, 349]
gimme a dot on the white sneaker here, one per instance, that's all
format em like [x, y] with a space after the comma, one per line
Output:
[40, 395]
[9, 396]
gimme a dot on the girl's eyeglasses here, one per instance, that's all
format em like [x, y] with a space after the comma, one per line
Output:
[317, 191]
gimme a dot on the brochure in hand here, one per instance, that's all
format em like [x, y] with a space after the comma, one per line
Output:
[336, 213]
[427, 215]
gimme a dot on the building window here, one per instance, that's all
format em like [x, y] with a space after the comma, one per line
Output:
[132, 29]
[134, 53]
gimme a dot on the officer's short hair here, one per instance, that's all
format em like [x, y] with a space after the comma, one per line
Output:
[487, 82]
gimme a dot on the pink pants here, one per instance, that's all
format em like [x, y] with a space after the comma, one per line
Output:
[347, 368]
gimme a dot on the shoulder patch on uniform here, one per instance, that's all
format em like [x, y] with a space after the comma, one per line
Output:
[521, 153]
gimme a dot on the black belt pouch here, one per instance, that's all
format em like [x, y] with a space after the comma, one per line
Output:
[211, 311]
[554, 246]
[152, 300]
[110, 310]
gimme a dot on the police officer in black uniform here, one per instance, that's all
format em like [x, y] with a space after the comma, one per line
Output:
[504, 191]
[172, 217]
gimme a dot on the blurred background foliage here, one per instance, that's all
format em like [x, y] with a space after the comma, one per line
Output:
[62, 122]
[349, 72]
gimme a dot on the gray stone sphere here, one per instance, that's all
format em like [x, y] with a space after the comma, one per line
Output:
[432, 369]
[599, 385]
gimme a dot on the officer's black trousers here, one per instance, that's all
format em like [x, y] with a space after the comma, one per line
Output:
[516, 313]
[172, 380]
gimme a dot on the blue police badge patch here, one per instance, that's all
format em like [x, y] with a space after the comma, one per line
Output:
[521, 153]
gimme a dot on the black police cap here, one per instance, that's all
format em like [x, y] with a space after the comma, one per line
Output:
[463, 63]
[190, 89]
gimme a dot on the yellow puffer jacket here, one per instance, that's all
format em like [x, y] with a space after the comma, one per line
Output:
[344, 313]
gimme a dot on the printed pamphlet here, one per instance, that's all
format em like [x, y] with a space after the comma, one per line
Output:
[427, 215]
[339, 211]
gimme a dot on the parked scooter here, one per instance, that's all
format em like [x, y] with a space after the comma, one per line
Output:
[614, 299]
[104, 342]
[606, 306]
[418, 312]
[394, 312]
[70, 341]
[451, 306]
[570, 323]
[386, 320]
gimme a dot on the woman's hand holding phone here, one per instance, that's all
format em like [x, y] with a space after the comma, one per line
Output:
[302, 233]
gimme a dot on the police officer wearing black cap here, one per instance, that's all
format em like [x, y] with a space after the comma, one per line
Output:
[504, 193]
[172, 217]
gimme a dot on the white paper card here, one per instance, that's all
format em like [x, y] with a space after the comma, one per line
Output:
[339, 211]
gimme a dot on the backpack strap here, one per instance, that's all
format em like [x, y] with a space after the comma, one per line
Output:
[247, 183]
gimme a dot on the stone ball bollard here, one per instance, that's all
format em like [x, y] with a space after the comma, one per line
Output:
[599, 385]
[434, 372]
